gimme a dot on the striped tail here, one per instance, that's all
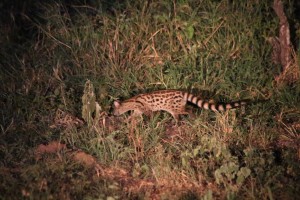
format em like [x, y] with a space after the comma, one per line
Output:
[212, 106]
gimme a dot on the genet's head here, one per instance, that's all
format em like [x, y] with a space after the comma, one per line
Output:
[118, 108]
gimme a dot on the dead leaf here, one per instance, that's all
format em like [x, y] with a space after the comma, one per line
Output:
[85, 159]
[65, 120]
[52, 147]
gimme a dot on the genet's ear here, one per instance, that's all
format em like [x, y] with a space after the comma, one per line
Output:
[117, 104]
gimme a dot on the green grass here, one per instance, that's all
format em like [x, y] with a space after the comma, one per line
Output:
[214, 48]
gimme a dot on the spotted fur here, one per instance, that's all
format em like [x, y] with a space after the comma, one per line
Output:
[172, 101]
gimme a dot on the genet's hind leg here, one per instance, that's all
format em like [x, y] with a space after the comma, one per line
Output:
[191, 113]
[175, 116]
[178, 113]
[182, 111]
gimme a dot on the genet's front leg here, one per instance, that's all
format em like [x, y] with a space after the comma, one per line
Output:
[136, 114]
